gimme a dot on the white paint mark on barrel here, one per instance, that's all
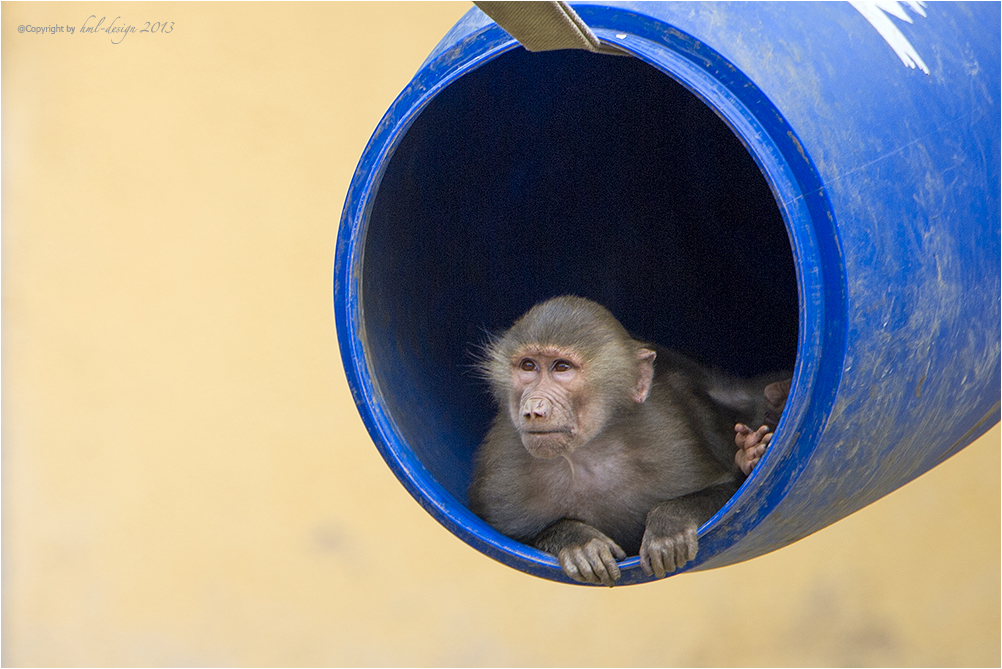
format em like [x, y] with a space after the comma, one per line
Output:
[876, 12]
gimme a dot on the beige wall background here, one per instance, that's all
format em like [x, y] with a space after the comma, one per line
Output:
[186, 480]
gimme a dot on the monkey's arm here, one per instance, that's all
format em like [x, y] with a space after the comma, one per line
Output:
[670, 535]
[585, 554]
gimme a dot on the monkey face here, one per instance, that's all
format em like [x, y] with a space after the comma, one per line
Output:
[549, 404]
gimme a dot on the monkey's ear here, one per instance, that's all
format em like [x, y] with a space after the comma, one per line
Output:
[645, 367]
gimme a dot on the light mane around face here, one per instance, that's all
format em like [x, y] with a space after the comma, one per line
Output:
[564, 369]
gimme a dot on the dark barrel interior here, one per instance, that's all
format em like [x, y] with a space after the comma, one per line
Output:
[563, 173]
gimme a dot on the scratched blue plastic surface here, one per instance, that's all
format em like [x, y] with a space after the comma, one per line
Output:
[842, 220]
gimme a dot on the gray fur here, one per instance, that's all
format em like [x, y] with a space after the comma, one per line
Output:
[658, 469]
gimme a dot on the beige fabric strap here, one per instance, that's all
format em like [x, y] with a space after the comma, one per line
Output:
[544, 26]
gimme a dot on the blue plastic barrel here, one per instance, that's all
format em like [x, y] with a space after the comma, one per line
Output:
[762, 186]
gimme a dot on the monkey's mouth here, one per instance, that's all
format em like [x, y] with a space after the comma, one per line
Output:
[547, 443]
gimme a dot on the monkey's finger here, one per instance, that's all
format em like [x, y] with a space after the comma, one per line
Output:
[685, 549]
[606, 574]
[609, 562]
[741, 432]
[598, 556]
[743, 463]
[692, 542]
[755, 438]
[571, 569]
[766, 439]
[668, 558]
[603, 552]
[616, 550]
[681, 554]
[585, 567]
[751, 460]
[598, 568]
[748, 440]
[645, 561]
[657, 557]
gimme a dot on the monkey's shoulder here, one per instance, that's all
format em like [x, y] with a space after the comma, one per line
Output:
[680, 429]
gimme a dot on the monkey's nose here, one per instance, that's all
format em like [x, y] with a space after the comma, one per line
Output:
[535, 409]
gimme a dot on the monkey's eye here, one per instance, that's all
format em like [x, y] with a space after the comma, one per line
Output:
[527, 365]
[562, 366]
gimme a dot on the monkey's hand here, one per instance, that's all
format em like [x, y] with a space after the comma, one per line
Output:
[669, 541]
[751, 446]
[585, 554]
